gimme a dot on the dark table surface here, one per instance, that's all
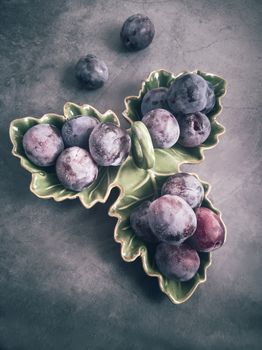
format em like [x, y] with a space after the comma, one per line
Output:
[63, 284]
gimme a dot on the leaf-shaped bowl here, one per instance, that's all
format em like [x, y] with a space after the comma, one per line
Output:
[139, 189]
[178, 153]
[45, 183]
[141, 178]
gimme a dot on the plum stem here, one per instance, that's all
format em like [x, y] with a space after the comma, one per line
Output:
[154, 184]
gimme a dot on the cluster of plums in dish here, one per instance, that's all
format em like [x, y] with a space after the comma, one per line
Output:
[179, 226]
[178, 114]
[136, 34]
[83, 144]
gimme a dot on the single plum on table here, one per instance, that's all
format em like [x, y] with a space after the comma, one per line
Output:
[76, 169]
[188, 94]
[194, 129]
[155, 98]
[171, 219]
[91, 71]
[186, 186]
[109, 144]
[139, 223]
[137, 32]
[210, 231]
[76, 131]
[177, 262]
[163, 128]
[42, 144]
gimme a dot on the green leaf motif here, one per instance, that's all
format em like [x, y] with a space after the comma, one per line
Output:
[178, 153]
[145, 185]
[45, 183]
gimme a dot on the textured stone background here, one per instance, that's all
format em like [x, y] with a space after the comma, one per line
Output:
[63, 284]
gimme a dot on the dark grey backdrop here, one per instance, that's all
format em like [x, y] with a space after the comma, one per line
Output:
[63, 284]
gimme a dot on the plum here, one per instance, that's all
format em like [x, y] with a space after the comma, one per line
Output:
[137, 32]
[163, 128]
[76, 169]
[42, 144]
[139, 223]
[155, 98]
[91, 71]
[185, 186]
[194, 129]
[188, 94]
[211, 99]
[76, 131]
[109, 144]
[210, 231]
[171, 219]
[177, 262]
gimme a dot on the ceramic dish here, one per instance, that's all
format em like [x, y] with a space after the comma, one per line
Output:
[45, 183]
[132, 247]
[180, 154]
[139, 178]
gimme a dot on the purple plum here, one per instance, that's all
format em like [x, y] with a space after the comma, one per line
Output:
[177, 262]
[185, 186]
[76, 131]
[155, 98]
[109, 144]
[76, 169]
[171, 219]
[210, 231]
[42, 144]
[137, 32]
[139, 223]
[163, 128]
[194, 129]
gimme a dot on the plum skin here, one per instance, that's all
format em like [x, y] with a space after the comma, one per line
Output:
[163, 128]
[91, 71]
[76, 169]
[210, 231]
[186, 186]
[155, 98]
[194, 129]
[211, 99]
[187, 94]
[171, 219]
[42, 144]
[137, 32]
[109, 144]
[177, 262]
[76, 131]
[139, 223]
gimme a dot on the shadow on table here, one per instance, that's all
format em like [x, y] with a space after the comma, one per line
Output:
[109, 251]
[111, 38]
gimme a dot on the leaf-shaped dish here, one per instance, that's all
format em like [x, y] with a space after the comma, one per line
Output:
[142, 176]
[142, 187]
[178, 153]
[45, 183]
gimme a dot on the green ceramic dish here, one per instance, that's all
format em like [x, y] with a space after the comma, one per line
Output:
[162, 78]
[142, 176]
[139, 178]
[44, 182]
[132, 247]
